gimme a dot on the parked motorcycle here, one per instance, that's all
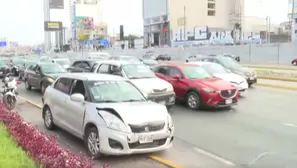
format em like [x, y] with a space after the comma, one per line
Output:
[9, 92]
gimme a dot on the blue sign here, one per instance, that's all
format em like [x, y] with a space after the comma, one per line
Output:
[104, 42]
[3, 43]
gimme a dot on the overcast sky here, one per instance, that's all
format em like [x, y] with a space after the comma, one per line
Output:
[22, 20]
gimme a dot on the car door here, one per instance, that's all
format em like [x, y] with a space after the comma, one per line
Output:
[36, 77]
[179, 85]
[31, 73]
[74, 110]
[61, 102]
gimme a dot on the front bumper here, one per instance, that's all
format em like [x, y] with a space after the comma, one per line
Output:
[215, 100]
[251, 80]
[167, 98]
[119, 143]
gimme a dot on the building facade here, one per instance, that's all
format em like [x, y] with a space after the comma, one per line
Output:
[156, 22]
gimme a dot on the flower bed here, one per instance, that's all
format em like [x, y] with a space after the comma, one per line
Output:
[42, 148]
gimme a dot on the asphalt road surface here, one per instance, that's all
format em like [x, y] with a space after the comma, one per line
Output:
[265, 120]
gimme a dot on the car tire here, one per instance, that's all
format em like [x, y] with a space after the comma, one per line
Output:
[89, 140]
[294, 63]
[48, 119]
[193, 100]
[27, 85]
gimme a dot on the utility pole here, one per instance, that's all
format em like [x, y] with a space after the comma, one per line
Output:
[185, 21]
[293, 22]
[266, 33]
[269, 25]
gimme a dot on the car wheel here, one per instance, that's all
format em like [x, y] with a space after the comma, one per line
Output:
[250, 85]
[92, 142]
[27, 85]
[193, 100]
[48, 119]
[294, 63]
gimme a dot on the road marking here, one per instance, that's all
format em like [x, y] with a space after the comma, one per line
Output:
[215, 157]
[154, 157]
[290, 125]
[30, 102]
[164, 161]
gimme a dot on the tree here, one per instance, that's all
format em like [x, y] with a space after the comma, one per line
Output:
[83, 37]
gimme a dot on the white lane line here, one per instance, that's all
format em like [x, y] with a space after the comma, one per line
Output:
[215, 157]
[290, 125]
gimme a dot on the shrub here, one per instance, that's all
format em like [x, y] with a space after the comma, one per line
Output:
[42, 148]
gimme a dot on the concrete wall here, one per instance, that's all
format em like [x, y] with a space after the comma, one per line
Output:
[272, 53]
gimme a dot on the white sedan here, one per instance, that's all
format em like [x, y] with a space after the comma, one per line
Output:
[219, 71]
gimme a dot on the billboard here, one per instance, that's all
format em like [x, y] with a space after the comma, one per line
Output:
[3, 43]
[53, 26]
[56, 4]
[83, 22]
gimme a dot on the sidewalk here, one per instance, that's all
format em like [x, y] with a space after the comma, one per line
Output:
[278, 84]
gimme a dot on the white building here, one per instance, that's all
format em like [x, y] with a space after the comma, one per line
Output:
[90, 8]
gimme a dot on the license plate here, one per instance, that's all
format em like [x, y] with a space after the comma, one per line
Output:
[228, 101]
[162, 102]
[145, 139]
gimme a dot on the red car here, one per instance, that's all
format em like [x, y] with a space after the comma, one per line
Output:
[294, 62]
[197, 87]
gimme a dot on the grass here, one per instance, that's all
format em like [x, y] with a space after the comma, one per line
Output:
[11, 155]
[267, 72]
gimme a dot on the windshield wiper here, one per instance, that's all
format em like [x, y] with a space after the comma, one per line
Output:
[133, 100]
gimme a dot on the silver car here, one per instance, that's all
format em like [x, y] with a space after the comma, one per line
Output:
[109, 113]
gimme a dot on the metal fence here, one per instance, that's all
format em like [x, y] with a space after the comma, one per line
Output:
[252, 53]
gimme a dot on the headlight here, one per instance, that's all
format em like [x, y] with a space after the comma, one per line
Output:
[208, 90]
[170, 122]
[113, 122]
[51, 80]
[170, 88]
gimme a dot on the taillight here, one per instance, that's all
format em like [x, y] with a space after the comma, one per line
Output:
[18, 83]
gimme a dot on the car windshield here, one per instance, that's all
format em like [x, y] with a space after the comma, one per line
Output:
[138, 71]
[28, 63]
[52, 68]
[214, 68]
[195, 72]
[127, 58]
[3, 62]
[230, 63]
[114, 91]
[63, 62]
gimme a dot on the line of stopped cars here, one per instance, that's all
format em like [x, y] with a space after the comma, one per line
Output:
[119, 105]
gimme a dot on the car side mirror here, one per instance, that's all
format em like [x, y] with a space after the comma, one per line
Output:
[176, 76]
[77, 97]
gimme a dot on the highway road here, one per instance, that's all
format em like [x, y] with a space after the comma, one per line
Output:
[265, 120]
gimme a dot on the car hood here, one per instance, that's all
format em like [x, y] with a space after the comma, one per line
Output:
[138, 112]
[54, 76]
[214, 83]
[231, 77]
[147, 85]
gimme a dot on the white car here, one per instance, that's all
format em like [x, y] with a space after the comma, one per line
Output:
[142, 76]
[109, 113]
[98, 55]
[219, 71]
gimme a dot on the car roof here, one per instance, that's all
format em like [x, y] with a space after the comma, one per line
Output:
[202, 63]
[118, 62]
[92, 76]
[179, 64]
[57, 59]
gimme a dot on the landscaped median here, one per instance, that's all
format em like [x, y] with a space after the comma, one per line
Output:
[23, 145]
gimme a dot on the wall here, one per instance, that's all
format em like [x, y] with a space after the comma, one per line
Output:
[196, 13]
[203, 35]
[154, 8]
[265, 54]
